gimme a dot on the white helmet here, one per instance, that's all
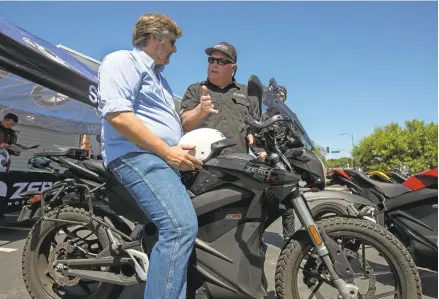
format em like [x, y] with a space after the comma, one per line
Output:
[202, 139]
[4, 159]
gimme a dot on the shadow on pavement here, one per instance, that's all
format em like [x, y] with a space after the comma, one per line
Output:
[274, 239]
[8, 236]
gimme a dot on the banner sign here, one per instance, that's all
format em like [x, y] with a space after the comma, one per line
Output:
[15, 182]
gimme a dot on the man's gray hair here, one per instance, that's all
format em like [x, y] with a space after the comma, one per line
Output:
[155, 24]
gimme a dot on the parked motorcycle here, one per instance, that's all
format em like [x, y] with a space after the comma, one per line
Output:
[397, 176]
[380, 176]
[234, 205]
[408, 210]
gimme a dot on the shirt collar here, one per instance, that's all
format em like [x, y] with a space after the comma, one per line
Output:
[147, 60]
[227, 86]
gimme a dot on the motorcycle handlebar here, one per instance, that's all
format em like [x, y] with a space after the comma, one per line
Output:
[258, 126]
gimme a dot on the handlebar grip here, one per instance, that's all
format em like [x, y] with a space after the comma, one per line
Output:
[253, 123]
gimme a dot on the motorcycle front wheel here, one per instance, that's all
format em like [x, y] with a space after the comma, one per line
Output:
[356, 237]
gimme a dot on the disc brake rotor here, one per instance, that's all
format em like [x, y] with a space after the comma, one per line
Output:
[57, 270]
[316, 267]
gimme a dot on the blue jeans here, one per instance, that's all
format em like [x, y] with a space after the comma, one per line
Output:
[160, 194]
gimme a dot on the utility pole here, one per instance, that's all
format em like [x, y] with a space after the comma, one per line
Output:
[353, 145]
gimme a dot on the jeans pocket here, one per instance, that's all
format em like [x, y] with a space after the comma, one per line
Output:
[112, 167]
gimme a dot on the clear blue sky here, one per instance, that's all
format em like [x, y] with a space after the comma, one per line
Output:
[348, 66]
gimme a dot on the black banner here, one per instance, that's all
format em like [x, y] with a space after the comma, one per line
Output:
[29, 64]
[16, 182]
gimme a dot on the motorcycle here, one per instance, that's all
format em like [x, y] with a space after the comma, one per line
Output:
[397, 176]
[408, 210]
[235, 202]
[381, 176]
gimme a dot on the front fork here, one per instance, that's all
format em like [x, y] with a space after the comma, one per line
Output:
[338, 269]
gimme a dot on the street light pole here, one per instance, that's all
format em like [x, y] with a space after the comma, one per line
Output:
[353, 145]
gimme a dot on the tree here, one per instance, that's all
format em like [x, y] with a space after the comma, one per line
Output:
[338, 163]
[391, 146]
[320, 151]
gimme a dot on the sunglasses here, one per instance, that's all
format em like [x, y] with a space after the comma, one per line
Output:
[219, 61]
[172, 41]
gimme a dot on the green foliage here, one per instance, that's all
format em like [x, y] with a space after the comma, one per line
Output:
[320, 151]
[338, 163]
[415, 145]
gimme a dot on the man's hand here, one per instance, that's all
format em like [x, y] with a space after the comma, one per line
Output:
[206, 101]
[262, 156]
[4, 145]
[250, 139]
[178, 158]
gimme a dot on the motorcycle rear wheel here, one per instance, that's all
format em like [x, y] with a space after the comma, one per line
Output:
[288, 264]
[35, 258]
[322, 210]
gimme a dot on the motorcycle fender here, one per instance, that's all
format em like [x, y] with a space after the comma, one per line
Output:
[337, 195]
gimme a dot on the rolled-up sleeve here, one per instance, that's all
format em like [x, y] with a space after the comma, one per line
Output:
[119, 83]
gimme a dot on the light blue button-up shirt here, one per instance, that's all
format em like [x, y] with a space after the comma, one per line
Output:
[127, 83]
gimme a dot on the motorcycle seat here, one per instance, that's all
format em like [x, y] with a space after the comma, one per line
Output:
[389, 190]
[96, 166]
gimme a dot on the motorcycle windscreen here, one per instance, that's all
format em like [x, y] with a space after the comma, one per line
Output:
[271, 100]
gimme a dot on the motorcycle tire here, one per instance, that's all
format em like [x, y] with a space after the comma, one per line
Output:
[31, 270]
[326, 208]
[290, 258]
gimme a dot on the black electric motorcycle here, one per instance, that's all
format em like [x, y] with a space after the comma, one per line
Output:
[86, 249]
[407, 210]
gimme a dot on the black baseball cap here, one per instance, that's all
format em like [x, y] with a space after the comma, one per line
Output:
[225, 48]
[11, 116]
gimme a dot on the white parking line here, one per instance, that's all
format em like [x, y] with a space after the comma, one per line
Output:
[7, 249]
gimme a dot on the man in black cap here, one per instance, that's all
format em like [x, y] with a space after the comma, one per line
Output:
[273, 111]
[220, 102]
[262, 155]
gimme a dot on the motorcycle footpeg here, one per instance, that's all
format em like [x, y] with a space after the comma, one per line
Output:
[136, 234]
[131, 245]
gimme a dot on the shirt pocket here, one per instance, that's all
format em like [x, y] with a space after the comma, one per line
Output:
[239, 111]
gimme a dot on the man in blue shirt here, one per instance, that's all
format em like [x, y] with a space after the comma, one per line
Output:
[140, 133]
